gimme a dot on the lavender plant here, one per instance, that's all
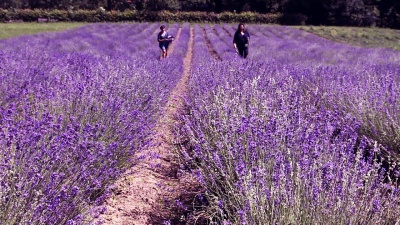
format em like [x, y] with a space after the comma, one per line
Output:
[272, 143]
[75, 109]
[362, 81]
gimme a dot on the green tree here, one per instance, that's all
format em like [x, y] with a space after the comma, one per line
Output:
[196, 5]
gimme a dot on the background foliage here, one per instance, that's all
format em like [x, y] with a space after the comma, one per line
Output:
[39, 15]
[381, 13]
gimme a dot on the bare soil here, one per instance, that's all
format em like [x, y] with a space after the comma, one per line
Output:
[212, 51]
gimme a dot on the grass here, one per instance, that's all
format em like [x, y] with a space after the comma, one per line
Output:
[359, 36]
[8, 30]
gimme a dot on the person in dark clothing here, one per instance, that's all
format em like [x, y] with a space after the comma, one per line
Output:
[241, 41]
[163, 41]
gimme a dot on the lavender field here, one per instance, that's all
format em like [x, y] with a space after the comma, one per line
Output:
[303, 131]
[75, 108]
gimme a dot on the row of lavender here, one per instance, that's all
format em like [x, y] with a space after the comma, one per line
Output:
[291, 135]
[362, 81]
[75, 108]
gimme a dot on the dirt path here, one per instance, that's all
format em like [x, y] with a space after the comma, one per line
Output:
[210, 48]
[139, 196]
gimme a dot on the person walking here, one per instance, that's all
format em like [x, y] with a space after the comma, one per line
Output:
[241, 41]
[164, 39]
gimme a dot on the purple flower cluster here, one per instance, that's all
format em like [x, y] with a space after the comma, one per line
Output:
[75, 109]
[277, 139]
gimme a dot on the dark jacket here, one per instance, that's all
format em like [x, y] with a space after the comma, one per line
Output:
[240, 39]
[163, 39]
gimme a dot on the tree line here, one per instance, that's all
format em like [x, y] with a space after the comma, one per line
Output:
[382, 13]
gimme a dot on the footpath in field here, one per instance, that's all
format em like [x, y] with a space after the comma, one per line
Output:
[140, 195]
[212, 51]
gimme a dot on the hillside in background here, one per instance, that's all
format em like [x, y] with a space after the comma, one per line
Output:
[359, 36]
